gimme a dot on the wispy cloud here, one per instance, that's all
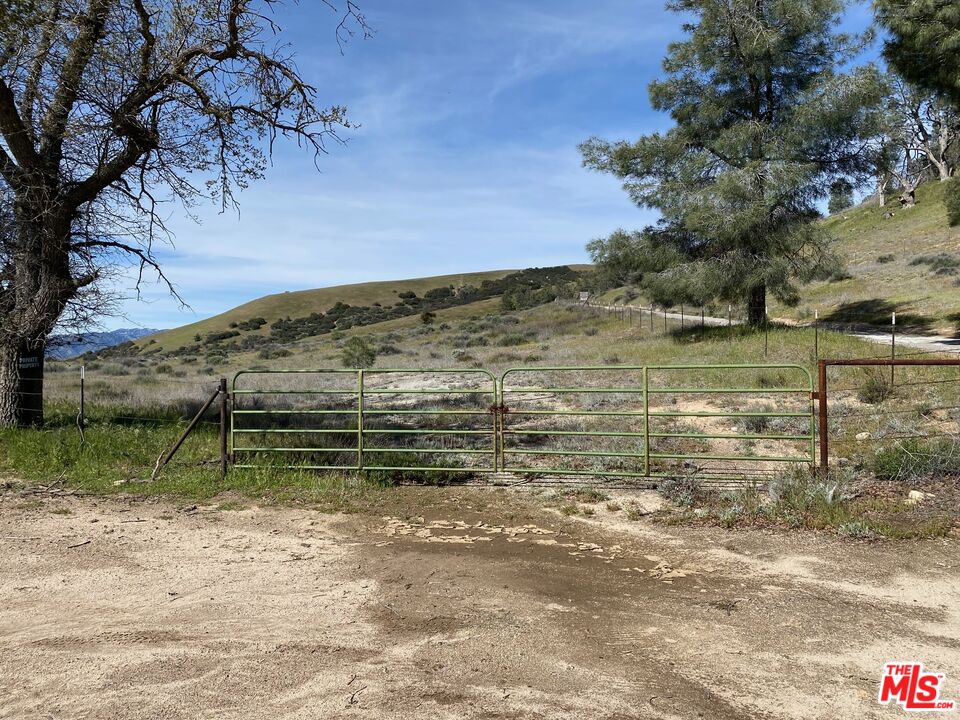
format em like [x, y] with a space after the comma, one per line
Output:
[466, 157]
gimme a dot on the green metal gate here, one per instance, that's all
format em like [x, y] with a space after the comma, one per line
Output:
[376, 419]
[630, 422]
[638, 422]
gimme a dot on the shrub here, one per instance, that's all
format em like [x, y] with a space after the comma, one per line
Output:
[938, 263]
[855, 529]
[917, 458]
[270, 353]
[251, 324]
[875, 389]
[885, 259]
[358, 353]
[839, 276]
[427, 317]
[682, 491]
[401, 475]
[163, 369]
[755, 425]
[514, 339]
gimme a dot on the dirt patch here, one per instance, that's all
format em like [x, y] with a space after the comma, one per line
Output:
[452, 603]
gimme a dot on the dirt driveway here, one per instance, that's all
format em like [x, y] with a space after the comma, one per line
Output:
[452, 604]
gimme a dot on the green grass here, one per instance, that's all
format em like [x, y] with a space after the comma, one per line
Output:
[805, 500]
[116, 457]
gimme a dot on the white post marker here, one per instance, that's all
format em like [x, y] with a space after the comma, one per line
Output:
[816, 334]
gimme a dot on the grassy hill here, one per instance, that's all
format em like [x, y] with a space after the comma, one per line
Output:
[908, 263]
[891, 265]
[305, 302]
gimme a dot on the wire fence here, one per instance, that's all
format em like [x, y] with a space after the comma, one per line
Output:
[683, 318]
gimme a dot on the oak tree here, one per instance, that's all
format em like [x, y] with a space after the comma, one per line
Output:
[108, 108]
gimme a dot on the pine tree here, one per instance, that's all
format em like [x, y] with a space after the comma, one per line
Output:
[764, 125]
[841, 196]
[924, 42]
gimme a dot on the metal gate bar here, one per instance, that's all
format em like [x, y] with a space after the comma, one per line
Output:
[645, 392]
[639, 459]
[361, 431]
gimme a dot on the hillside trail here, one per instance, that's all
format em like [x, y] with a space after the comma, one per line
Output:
[925, 343]
[450, 603]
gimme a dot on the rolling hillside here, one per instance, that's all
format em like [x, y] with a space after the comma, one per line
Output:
[909, 263]
[304, 302]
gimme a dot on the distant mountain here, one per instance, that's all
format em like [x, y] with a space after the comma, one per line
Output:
[61, 347]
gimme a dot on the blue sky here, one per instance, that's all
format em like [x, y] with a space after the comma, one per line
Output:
[466, 159]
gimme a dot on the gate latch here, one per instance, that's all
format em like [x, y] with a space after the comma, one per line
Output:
[498, 409]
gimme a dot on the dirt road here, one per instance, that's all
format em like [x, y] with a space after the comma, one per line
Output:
[928, 343]
[452, 603]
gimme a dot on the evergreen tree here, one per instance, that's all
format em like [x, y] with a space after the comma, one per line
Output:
[924, 43]
[764, 125]
[841, 196]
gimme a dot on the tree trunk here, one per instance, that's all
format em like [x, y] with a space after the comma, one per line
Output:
[908, 198]
[757, 305]
[883, 182]
[21, 383]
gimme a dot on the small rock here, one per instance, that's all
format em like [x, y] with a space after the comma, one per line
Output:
[863, 436]
[915, 497]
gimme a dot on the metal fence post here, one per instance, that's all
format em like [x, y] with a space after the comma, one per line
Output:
[646, 421]
[83, 414]
[822, 401]
[766, 331]
[224, 399]
[893, 346]
[816, 334]
[495, 411]
[360, 419]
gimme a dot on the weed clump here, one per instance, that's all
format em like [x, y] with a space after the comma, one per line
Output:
[914, 458]
[875, 389]
[682, 491]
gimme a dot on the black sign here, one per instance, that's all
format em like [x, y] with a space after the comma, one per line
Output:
[30, 362]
